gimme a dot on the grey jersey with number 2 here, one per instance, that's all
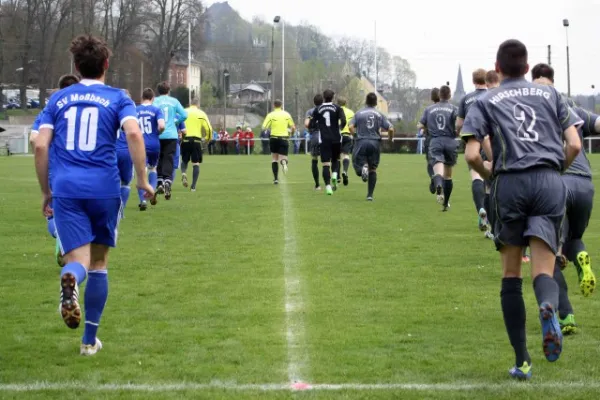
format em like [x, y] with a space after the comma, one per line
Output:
[525, 122]
[440, 120]
[369, 122]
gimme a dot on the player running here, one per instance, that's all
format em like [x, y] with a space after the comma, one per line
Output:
[329, 118]
[435, 98]
[82, 122]
[152, 123]
[346, 140]
[477, 184]
[197, 127]
[367, 124]
[439, 120]
[173, 112]
[279, 122]
[526, 123]
[315, 146]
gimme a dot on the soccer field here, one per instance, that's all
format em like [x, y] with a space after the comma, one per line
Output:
[243, 287]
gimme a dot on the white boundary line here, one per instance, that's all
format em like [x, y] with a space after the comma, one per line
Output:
[298, 362]
[279, 387]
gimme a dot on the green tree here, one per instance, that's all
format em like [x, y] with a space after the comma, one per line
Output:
[207, 95]
[182, 94]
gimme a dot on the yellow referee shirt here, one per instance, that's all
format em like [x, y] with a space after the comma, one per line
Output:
[349, 115]
[197, 124]
[278, 121]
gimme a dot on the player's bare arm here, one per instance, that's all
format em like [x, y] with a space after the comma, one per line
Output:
[41, 149]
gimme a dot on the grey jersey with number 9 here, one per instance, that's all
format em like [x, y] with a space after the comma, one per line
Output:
[369, 122]
[525, 122]
[440, 120]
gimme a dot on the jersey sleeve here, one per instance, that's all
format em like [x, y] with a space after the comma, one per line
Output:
[290, 121]
[423, 120]
[343, 121]
[385, 123]
[36, 124]
[267, 122]
[181, 126]
[159, 114]
[180, 111]
[48, 116]
[461, 108]
[127, 109]
[589, 121]
[309, 114]
[566, 115]
[477, 124]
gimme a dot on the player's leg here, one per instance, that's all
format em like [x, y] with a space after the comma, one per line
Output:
[196, 161]
[450, 156]
[373, 156]
[284, 148]
[176, 161]
[326, 157]
[429, 166]
[315, 152]
[436, 155]
[566, 315]
[170, 150]
[359, 161]
[478, 191]
[346, 151]
[186, 155]
[160, 183]
[74, 229]
[274, 148]
[336, 152]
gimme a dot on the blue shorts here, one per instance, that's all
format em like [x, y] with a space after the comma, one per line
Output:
[152, 158]
[177, 156]
[125, 167]
[83, 221]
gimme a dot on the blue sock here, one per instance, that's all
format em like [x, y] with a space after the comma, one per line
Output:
[125, 191]
[76, 269]
[96, 292]
[153, 179]
[51, 227]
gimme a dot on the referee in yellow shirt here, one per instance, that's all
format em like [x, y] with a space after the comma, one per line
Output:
[278, 122]
[197, 128]
[346, 139]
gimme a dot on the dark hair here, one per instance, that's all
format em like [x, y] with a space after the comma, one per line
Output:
[435, 95]
[342, 101]
[278, 103]
[479, 77]
[148, 94]
[67, 80]
[371, 100]
[163, 88]
[512, 58]
[90, 55]
[542, 70]
[318, 100]
[445, 93]
[328, 96]
[491, 77]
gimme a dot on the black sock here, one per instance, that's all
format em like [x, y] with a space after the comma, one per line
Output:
[346, 165]
[430, 170]
[478, 189]
[335, 167]
[327, 174]
[195, 175]
[546, 290]
[513, 309]
[372, 182]
[448, 186]
[315, 172]
[275, 168]
[438, 181]
[571, 249]
[564, 304]
[184, 168]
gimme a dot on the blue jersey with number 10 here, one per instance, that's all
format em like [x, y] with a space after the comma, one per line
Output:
[85, 118]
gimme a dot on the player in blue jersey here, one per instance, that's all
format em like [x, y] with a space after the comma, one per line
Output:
[173, 112]
[125, 166]
[152, 123]
[81, 124]
[177, 157]
[63, 82]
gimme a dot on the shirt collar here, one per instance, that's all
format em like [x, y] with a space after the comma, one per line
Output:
[508, 81]
[90, 82]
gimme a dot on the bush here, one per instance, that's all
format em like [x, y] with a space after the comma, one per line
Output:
[182, 94]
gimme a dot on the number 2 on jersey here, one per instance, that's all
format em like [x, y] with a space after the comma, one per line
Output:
[88, 128]
[526, 115]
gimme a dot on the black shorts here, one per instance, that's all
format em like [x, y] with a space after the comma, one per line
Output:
[528, 204]
[191, 148]
[347, 142]
[279, 145]
[368, 152]
[580, 200]
[330, 150]
[315, 145]
[443, 150]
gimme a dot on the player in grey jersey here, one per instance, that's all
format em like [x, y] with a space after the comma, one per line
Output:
[477, 184]
[435, 98]
[580, 199]
[439, 121]
[315, 145]
[367, 125]
[526, 123]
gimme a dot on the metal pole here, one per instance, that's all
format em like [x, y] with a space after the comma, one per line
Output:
[272, 68]
[549, 54]
[142, 78]
[376, 69]
[283, 63]
[568, 64]
[189, 80]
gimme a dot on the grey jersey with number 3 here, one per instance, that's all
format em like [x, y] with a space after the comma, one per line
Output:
[440, 120]
[525, 122]
[368, 122]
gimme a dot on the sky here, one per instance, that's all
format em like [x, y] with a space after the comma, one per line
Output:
[436, 36]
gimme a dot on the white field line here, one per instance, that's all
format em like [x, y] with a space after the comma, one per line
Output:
[297, 354]
[279, 387]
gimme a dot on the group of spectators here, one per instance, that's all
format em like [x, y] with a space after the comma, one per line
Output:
[243, 141]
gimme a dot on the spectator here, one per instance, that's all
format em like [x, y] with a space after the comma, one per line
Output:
[237, 137]
[296, 138]
[421, 139]
[224, 141]
[249, 141]
[264, 139]
[212, 144]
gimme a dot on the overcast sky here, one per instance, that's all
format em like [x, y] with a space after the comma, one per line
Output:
[436, 36]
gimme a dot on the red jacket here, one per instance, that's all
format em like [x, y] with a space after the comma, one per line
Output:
[249, 137]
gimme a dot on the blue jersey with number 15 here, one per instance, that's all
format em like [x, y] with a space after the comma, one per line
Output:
[148, 117]
[85, 118]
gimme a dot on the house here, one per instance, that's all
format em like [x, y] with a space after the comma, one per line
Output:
[178, 74]
[247, 93]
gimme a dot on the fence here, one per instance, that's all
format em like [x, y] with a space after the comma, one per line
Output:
[15, 140]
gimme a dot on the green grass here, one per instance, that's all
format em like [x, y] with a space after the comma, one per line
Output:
[393, 291]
